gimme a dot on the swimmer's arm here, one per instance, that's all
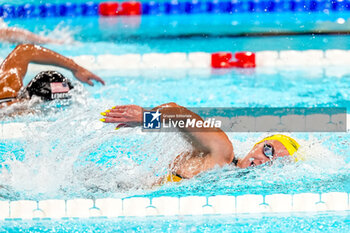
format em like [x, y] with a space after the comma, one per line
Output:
[216, 148]
[214, 143]
[10, 84]
[210, 140]
[188, 165]
[18, 35]
[24, 54]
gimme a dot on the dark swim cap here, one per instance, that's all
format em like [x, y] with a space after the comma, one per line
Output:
[49, 85]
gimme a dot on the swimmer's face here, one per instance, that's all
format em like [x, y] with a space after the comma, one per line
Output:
[257, 157]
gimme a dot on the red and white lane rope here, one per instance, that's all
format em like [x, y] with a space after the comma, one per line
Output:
[225, 60]
[218, 60]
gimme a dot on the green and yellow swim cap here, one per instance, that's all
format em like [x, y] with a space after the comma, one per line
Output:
[289, 143]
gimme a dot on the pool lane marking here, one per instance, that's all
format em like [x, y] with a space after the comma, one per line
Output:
[173, 206]
[202, 60]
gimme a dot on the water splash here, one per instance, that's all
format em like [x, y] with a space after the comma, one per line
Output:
[3, 24]
[61, 33]
[72, 154]
[322, 171]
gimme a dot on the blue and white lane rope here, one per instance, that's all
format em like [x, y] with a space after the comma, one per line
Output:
[70, 9]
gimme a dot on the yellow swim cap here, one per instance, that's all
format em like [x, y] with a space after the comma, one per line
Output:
[289, 143]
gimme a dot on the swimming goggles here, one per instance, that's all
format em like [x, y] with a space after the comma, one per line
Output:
[268, 151]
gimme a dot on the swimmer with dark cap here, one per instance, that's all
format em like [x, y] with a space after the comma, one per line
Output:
[47, 85]
[211, 146]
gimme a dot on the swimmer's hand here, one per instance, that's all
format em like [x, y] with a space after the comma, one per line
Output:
[86, 76]
[124, 114]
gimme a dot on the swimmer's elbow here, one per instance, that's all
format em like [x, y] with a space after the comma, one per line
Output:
[225, 154]
[228, 154]
[226, 150]
[172, 104]
[24, 47]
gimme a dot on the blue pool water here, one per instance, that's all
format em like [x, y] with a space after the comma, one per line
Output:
[76, 156]
[329, 222]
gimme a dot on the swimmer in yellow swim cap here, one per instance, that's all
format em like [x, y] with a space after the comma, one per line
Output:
[269, 148]
[210, 146]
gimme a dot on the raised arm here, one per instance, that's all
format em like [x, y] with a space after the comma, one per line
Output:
[14, 67]
[212, 146]
[210, 140]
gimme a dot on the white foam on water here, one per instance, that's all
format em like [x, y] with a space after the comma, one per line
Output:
[76, 155]
[73, 153]
[61, 33]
